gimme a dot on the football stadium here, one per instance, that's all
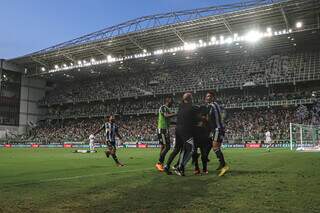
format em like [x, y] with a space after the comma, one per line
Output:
[214, 109]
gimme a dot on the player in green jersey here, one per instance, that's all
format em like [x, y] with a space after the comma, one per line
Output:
[164, 116]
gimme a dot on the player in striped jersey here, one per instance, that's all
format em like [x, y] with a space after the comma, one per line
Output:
[217, 130]
[111, 131]
[164, 116]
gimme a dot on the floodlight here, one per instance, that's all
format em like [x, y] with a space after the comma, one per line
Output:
[299, 24]
[253, 36]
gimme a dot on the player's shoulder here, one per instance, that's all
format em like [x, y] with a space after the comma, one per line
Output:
[162, 107]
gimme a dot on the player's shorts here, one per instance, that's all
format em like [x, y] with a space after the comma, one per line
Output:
[201, 137]
[182, 137]
[163, 136]
[268, 140]
[111, 144]
[217, 135]
[91, 144]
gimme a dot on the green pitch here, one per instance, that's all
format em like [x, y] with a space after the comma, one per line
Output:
[56, 180]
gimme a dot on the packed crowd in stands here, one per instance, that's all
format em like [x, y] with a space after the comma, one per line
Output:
[132, 128]
[241, 125]
[151, 104]
[76, 109]
[253, 70]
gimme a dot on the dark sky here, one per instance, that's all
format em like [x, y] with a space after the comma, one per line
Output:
[31, 25]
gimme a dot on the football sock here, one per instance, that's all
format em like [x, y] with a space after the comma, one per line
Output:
[114, 156]
[163, 153]
[220, 156]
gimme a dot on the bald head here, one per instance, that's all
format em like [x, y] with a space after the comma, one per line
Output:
[187, 97]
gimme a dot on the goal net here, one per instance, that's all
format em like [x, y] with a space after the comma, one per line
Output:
[304, 137]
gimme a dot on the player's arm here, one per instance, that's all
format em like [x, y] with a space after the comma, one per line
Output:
[167, 113]
[214, 132]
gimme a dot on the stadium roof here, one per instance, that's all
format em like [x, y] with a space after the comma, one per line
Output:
[142, 37]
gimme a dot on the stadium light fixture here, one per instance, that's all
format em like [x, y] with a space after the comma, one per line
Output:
[229, 40]
[190, 46]
[200, 41]
[56, 66]
[253, 36]
[43, 69]
[64, 65]
[213, 39]
[299, 24]
[144, 50]
[79, 62]
[269, 30]
[93, 60]
[109, 59]
[221, 39]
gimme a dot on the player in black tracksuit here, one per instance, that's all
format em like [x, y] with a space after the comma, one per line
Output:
[202, 140]
[186, 121]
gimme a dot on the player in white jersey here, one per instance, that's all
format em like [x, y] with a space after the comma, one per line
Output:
[268, 140]
[92, 139]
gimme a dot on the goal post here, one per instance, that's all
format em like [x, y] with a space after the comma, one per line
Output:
[304, 137]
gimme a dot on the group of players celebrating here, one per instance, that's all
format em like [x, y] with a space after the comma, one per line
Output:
[197, 127]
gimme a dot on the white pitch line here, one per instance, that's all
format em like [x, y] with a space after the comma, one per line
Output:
[78, 177]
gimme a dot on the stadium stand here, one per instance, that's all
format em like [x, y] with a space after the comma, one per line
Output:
[263, 85]
[200, 76]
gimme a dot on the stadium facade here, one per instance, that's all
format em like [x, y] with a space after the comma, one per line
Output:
[261, 45]
[19, 99]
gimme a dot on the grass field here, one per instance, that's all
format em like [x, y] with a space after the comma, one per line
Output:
[56, 180]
